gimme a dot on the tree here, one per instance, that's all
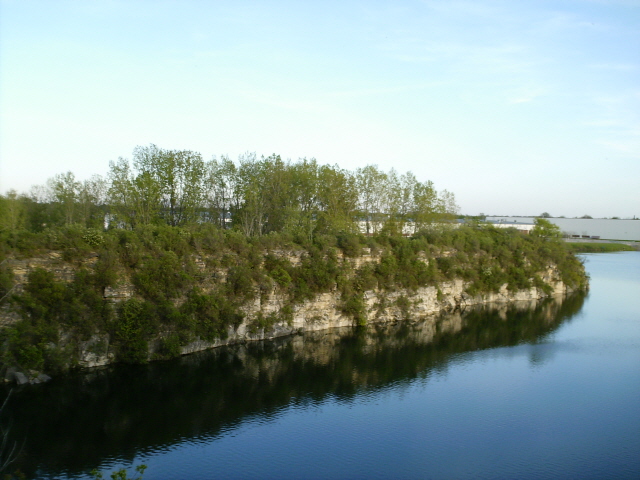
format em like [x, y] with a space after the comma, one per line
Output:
[91, 196]
[12, 212]
[545, 215]
[65, 189]
[544, 228]
[276, 183]
[180, 175]
[425, 200]
[303, 195]
[337, 200]
[221, 189]
[370, 182]
[135, 200]
[251, 214]
[447, 205]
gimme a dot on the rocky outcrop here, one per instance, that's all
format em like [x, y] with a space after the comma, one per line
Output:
[13, 375]
[323, 312]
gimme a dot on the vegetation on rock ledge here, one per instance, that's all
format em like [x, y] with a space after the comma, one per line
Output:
[190, 244]
[192, 283]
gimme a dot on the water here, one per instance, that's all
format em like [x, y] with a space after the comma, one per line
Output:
[551, 391]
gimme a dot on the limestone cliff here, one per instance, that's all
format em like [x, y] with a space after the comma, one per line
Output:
[323, 311]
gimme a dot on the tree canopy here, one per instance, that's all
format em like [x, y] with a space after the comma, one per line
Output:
[544, 228]
[253, 195]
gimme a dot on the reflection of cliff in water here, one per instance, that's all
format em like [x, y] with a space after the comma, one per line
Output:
[74, 424]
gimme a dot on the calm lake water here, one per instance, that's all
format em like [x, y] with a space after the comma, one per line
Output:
[551, 391]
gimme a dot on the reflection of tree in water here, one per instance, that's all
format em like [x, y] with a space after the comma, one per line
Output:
[73, 424]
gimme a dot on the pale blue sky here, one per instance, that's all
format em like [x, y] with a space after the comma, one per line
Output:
[518, 107]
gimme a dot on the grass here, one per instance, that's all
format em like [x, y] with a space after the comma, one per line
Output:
[580, 247]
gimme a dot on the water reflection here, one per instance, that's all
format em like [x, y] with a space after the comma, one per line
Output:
[76, 423]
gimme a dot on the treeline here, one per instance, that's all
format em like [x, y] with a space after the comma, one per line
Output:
[255, 196]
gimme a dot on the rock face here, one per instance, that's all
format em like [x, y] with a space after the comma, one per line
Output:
[323, 312]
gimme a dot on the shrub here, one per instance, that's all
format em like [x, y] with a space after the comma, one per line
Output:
[239, 282]
[365, 278]
[93, 237]
[170, 347]
[385, 271]
[209, 316]
[131, 330]
[350, 244]
[404, 304]
[281, 277]
[353, 305]
[161, 278]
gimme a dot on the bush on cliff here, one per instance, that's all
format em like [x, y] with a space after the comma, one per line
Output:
[192, 282]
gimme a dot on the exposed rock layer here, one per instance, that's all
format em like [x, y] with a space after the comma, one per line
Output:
[321, 313]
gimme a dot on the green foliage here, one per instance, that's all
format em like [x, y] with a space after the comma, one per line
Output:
[47, 306]
[6, 280]
[544, 228]
[161, 278]
[93, 237]
[266, 322]
[120, 474]
[365, 278]
[210, 315]
[49, 303]
[254, 196]
[350, 244]
[386, 270]
[584, 247]
[131, 330]
[281, 276]
[192, 281]
[169, 347]
[262, 322]
[106, 269]
[239, 282]
[353, 305]
[404, 304]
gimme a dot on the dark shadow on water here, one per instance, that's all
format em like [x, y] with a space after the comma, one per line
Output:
[84, 420]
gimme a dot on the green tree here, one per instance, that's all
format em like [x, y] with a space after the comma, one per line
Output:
[12, 212]
[425, 202]
[370, 182]
[134, 199]
[222, 192]
[276, 182]
[544, 228]
[303, 198]
[251, 213]
[91, 197]
[337, 200]
[447, 205]
[66, 189]
[180, 175]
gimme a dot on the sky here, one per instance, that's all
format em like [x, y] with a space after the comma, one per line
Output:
[517, 107]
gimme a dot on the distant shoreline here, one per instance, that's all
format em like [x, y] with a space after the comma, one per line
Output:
[589, 245]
